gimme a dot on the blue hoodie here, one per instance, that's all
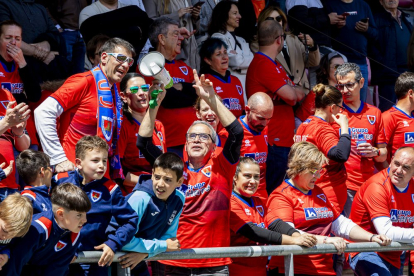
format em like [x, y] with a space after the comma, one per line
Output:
[107, 202]
[158, 219]
[39, 196]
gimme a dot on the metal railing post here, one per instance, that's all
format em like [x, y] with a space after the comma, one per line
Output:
[122, 271]
[289, 265]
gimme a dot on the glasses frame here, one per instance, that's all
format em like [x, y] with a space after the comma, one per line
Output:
[199, 137]
[315, 172]
[338, 85]
[128, 60]
[278, 18]
[144, 88]
[340, 107]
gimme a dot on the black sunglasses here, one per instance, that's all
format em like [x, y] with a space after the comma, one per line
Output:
[277, 18]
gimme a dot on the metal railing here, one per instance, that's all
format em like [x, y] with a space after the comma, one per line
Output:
[288, 251]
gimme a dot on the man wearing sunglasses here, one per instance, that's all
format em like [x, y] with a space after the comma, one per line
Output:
[207, 182]
[368, 142]
[176, 112]
[266, 75]
[86, 104]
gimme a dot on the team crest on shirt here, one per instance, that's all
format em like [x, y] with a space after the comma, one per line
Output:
[106, 127]
[95, 195]
[4, 104]
[260, 209]
[207, 171]
[239, 89]
[409, 137]
[322, 196]
[412, 197]
[265, 137]
[59, 246]
[371, 119]
[184, 70]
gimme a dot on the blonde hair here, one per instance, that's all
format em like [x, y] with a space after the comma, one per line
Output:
[303, 156]
[16, 211]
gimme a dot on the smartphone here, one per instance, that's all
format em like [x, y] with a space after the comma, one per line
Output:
[199, 4]
[365, 20]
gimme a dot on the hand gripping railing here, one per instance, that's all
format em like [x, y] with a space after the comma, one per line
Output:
[252, 251]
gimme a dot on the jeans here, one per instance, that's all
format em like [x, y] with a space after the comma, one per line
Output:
[364, 90]
[276, 166]
[76, 49]
[4, 192]
[370, 263]
[201, 271]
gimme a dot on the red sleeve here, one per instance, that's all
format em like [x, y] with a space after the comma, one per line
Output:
[326, 138]
[279, 207]
[381, 138]
[389, 125]
[161, 131]
[238, 216]
[376, 200]
[72, 91]
[123, 138]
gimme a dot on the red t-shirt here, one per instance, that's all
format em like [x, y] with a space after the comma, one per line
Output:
[10, 80]
[312, 213]
[320, 133]
[399, 130]
[378, 197]
[6, 142]
[205, 220]
[242, 212]
[131, 159]
[254, 145]
[265, 75]
[365, 125]
[231, 92]
[176, 120]
[79, 100]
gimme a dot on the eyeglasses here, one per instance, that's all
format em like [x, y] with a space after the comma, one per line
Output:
[316, 172]
[277, 18]
[202, 136]
[341, 86]
[134, 89]
[341, 107]
[122, 58]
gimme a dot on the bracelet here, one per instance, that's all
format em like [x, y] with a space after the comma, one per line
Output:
[18, 136]
[378, 152]
[373, 235]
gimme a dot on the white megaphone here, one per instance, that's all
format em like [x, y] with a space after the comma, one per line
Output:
[152, 65]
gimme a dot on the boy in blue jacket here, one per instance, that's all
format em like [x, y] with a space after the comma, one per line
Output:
[15, 216]
[159, 205]
[34, 168]
[107, 202]
[53, 237]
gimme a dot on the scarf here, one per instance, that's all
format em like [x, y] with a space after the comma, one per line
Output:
[106, 112]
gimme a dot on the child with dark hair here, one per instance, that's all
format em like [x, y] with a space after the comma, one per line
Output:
[107, 202]
[159, 205]
[34, 168]
[53, 238]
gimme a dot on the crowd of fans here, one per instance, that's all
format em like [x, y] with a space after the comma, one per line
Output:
[265, 136]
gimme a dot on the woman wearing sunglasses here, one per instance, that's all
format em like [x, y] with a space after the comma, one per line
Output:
[304, 206]
[215, 66]
[327, 67]
[224, 21]
[317, 129]
[135, 94]
[247, 221]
